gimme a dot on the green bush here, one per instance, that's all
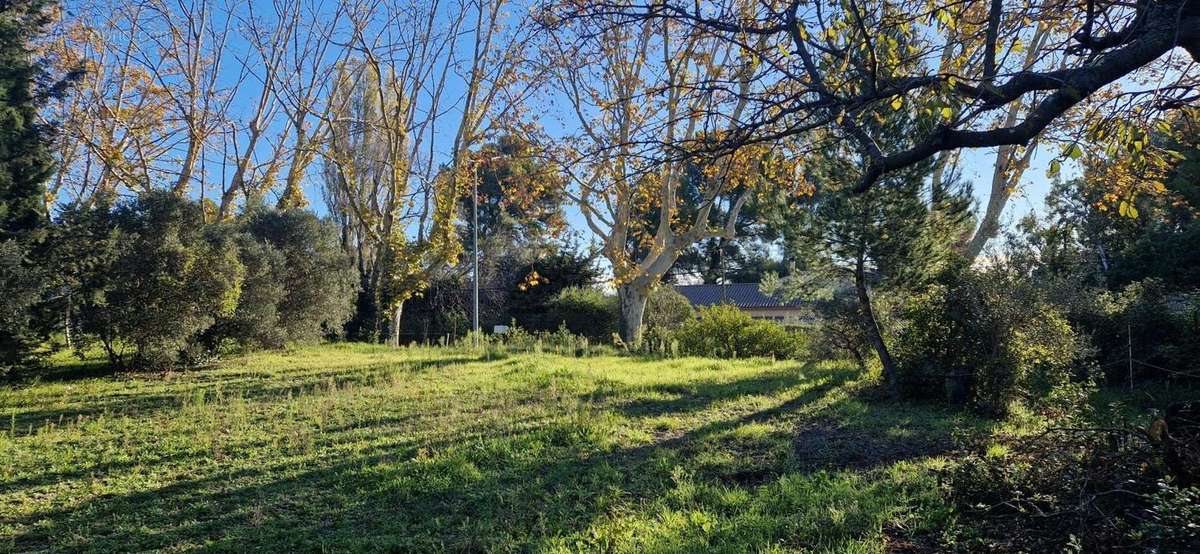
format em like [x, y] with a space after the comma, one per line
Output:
[319, 281]
[585, 311]
[667, 311]
[726, 332]
[840, 331]
[1159, 327]
[21, 286]
[162, 282]
[1172, 520]
[255, 323]
[532, 283]
[1074, 488]
[986, 339]
[155, 285]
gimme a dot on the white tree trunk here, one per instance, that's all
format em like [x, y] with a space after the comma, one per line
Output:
[632, 298]
[394, 338]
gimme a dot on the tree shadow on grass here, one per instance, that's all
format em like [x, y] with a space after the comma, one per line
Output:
[497, 488]
[491, 489]
[648, 401]
[879, 431]
[826, 445]
[66, 371]
[249, 386]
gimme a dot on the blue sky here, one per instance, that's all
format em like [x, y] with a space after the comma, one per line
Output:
[975, 165]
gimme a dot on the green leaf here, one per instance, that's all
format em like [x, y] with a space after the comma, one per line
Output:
[946, 18]
[1055, 168]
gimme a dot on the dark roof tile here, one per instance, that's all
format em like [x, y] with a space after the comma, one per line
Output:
[742, 295]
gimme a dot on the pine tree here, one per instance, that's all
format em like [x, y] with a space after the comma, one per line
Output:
[25, 160]
[25, 166]
[892, 237]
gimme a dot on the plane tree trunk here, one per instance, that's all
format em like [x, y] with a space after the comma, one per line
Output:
[394, 335]
[632, 297]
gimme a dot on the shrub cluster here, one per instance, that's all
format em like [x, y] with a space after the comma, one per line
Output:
[986, 339]
[667, 312]
[840, 332]
[1144, 320]
[1078, 490]
[726, 332]
[585, 311]
[670, 327]
[156, 286]
[21, 284]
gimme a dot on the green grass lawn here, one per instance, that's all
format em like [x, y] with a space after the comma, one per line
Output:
[353, 447]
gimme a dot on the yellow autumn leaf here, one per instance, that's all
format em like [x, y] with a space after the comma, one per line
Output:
[947, 113]
[897, 102]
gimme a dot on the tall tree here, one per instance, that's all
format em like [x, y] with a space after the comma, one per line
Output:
[25, 159]
[745, 258]
[886, 239]
[26, 164]
[636, 91]
[402, 143]
[167, 103]
[520, 197]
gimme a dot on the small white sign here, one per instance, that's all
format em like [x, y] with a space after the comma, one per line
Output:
[500, 329]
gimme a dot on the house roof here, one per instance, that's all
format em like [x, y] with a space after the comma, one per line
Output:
[742, 295]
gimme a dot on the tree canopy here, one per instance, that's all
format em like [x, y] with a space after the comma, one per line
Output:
[829, 65]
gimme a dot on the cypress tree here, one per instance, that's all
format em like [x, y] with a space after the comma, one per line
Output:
[25, 166]
[25, 160]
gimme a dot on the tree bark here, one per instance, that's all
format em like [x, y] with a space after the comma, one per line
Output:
[989, 226]
[632, 298]
[858, 357]
[187, 167]
[238, 182]
[394, 338]
[871, 326]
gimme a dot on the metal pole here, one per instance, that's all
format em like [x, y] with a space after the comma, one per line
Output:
[475, 258]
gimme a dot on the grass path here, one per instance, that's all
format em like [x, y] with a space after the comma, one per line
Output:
[353, 447]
